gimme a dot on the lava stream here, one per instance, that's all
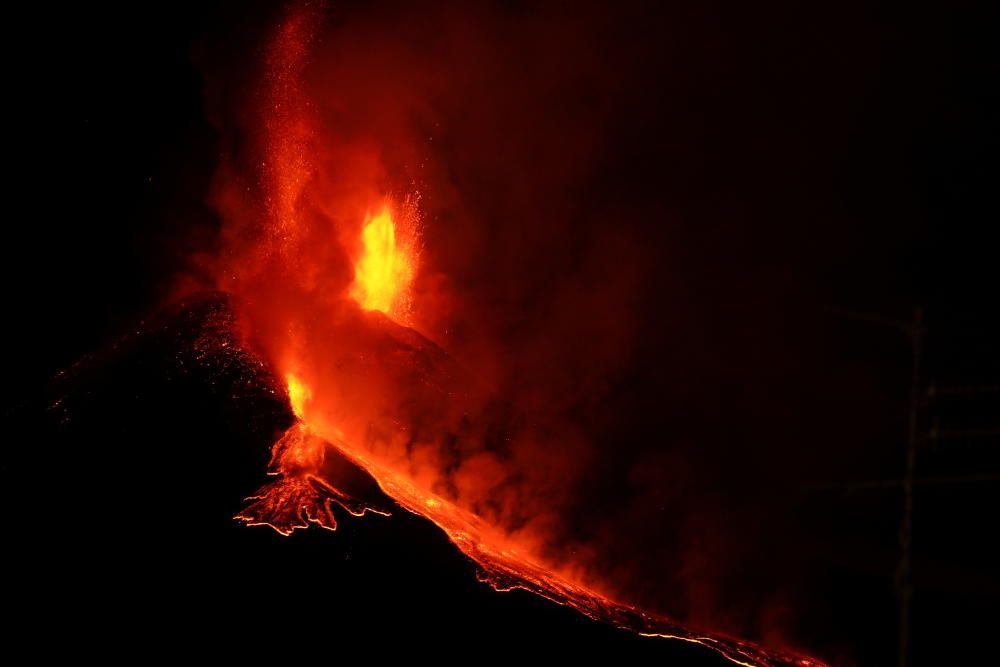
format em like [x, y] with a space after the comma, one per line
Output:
[302, 496]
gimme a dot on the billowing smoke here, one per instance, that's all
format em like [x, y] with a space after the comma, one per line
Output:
[595, 258]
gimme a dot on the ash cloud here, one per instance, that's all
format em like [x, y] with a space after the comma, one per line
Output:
[626, 226]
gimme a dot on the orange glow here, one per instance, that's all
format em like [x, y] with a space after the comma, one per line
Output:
[381, 394]
[298, 394]
[383, 273]
[299, 497]
[303, 496]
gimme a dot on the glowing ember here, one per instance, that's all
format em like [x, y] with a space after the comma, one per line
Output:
[385, 270]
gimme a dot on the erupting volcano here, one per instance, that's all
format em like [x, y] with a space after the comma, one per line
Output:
[324, 262]
[659, 331]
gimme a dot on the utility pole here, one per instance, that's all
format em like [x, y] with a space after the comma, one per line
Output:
[925, 400]
[914, 331]
[903, 574]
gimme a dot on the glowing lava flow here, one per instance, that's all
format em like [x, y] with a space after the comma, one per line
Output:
[301, 496]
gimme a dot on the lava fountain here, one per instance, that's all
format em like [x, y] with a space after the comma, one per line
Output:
[384, 271]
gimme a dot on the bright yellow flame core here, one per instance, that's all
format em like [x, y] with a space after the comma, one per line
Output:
[298, 394]
[383, 273]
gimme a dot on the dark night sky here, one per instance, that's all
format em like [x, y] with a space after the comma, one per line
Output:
[782, 161]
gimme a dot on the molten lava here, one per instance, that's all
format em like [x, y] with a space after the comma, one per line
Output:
[383, 273]
[298, 394]
[303, 495]
[382, 394]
